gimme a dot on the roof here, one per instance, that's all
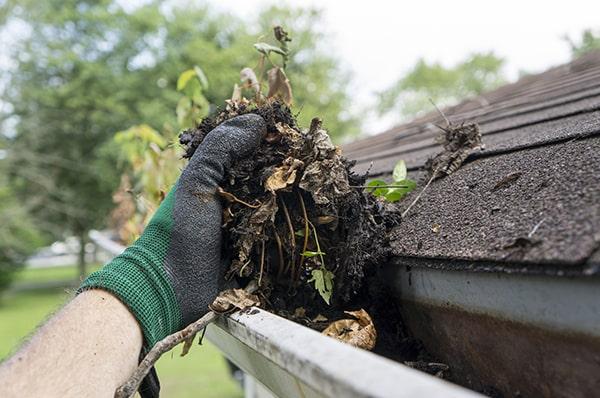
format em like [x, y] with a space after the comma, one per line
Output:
[530, 201]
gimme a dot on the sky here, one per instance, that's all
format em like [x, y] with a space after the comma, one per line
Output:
[378, 41]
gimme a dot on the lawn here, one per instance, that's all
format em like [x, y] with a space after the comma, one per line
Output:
[203, 372]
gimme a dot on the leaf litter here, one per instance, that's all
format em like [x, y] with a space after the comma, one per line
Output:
[296, 226]
[292, 221]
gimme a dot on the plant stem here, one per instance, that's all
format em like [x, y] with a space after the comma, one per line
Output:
[405, 212]
[262, 262]
[280, 270]
[317, 243]
[378, 186]
[292, 235]
[306, 232]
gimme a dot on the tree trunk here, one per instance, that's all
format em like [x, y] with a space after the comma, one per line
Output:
[81, 265]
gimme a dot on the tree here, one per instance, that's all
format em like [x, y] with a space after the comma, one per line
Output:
[18, 235]
[589, 41]
[411, 94]
[87, 69]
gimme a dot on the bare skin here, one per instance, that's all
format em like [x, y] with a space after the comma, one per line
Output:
[87, 349]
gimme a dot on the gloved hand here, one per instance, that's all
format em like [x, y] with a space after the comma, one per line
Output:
[170, 275]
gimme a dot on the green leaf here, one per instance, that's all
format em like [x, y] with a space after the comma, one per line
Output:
[400, 171]
[300, 233]
[266, 48]
[404, 187]
[372, 187]
[323, 280]
[309, 253]
[185, 78]
[409, 185]
[201, 77]
[394, 195]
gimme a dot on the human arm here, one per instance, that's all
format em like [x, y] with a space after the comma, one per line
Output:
[87, 349]
[169, 276]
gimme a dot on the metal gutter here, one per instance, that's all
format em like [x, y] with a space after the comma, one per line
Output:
[283, 359]
[519, 334]
[293, 361]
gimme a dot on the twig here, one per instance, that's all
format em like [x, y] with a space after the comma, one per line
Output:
[280, 270]
[232, 198]
[405, 212]
[535, 228]
[440, 111]
[262, 262]
[292, 236]
[131, 386]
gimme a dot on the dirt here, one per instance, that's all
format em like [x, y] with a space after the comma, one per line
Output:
[297, 195]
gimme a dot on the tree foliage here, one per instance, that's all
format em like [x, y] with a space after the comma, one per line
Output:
[411, 94]
[84, 70]
[589, 41]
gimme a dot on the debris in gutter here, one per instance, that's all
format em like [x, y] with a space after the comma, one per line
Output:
[359, 332]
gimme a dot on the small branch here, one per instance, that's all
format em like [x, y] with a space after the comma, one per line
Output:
[232, 198]
[131, 386]
[292, 236]
[418, 196]
[535, 228]
[281, 269]
[262, 262]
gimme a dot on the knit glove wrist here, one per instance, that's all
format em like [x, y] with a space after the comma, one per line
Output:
[170, 275]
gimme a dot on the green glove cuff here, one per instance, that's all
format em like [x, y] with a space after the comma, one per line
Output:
[137, 277]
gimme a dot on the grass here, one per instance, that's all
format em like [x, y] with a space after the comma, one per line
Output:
[203, 372]
[51, 274]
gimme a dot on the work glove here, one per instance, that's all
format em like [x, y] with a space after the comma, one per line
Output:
[170, 275]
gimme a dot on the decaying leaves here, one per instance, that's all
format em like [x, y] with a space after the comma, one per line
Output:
[284, 175]
[458, 142]
[234, 299]
[248, 77]
[279, 85]
[359, 332]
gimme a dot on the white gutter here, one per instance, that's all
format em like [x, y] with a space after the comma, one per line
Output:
[293, 361]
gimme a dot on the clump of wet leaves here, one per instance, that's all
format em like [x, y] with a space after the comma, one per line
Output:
[296, 220]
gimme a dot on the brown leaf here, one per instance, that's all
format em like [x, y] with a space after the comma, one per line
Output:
[283, 175]
[325, 180]
[279, 85]
[300, 312]
[319, 318]
[248, 77]
[232, 299]
[236, 96]
[359, 332]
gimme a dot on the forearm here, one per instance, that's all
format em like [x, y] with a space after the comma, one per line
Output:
[88, 349]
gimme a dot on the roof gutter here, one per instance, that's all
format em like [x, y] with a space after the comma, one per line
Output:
[294, 361]
[519, 334]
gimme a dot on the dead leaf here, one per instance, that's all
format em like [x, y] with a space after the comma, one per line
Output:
[232, 299]
[248, 77]
[279, 85]
[324, 180]
[254, 225]
[284, 175]
[326, 219]
[359, 332]
[300, 312]
[319, 318]
[236, 96]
